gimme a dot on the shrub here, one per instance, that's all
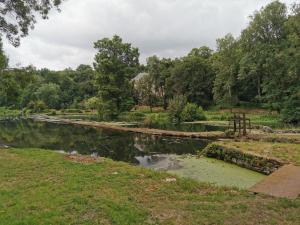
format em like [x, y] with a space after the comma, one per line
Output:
[291, 109]
[157, 119]
[176, 106]
[91, 103]
[37, 106]
[107, 110]
[291, 112]
[132, 116]
[192, 112]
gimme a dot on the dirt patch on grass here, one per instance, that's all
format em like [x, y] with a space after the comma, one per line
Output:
[84, 159]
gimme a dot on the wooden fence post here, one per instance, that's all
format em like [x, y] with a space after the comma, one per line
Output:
[244, 125]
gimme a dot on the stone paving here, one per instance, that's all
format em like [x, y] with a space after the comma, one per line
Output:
[285, 183]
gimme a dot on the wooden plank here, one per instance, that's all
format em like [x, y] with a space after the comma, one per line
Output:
[284, 183]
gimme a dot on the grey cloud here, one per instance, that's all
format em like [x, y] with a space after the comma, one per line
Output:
[168, 28]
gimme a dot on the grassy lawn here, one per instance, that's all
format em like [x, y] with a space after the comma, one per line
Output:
[257, 117]
[43, 187]
[284, 151]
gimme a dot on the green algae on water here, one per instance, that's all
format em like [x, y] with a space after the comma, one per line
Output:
[216, 171]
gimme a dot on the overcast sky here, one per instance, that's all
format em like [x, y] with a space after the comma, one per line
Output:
[167, 28]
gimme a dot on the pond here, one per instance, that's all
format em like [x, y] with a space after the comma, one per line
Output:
[156, 152]
[186, 127]
[120, 146]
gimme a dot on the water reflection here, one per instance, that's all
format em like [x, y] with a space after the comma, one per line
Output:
[121, 146]
[186, 127]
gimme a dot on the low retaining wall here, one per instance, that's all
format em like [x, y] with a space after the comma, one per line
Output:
[244, 159]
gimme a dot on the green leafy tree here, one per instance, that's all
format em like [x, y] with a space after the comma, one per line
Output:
[261, 44]
[192, 112]
[193, 77]
[160, 71]
[9, 90]
[50, 95]
[226, 65]
[291, 109]
[115, 64]
[18, 16]
[145, 91]
[176, 107]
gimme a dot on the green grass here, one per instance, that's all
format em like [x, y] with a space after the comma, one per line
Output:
[257, 117]
[42, 187]
[285, 151]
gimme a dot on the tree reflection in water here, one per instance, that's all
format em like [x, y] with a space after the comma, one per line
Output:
[120, 146]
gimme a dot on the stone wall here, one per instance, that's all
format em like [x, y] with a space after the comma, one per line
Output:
[244, 159]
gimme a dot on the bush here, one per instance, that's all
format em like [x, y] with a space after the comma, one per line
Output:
[37, 106]
[192, 112]
[91, 103]
[9, 113]
[156, 119]
[176, 106]
[291, 112]
[107, 111]
[132, 116]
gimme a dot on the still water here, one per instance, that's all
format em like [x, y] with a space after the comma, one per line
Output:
[156, 152]
[120, 146]
[186, 127]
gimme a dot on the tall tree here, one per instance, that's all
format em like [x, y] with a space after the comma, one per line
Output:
[116, 63]
[160, 71]
[226, 66]
[193, 77]
[261, 44]
[145, 93]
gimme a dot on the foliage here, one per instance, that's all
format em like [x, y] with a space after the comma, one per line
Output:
[176, 107]
[132, 116]
[37, 106]
[115, 63]
[156, 119]
[91, 103]
[160, 71]
[9, 113]
[291, 110]
[226, 67]
[49, 94]
[144, 88]
[192, 112]
[259, 67]
[193, 77]
[59, 89]
[18, 16]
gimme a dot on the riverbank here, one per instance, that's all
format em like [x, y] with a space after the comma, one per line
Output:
[39, 186]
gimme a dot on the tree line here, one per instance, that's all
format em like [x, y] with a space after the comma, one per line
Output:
[260, 67]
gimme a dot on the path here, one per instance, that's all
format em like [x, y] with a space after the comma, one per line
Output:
[284, 182]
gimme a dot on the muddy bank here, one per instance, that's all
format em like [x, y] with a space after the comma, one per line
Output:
[206, 135]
